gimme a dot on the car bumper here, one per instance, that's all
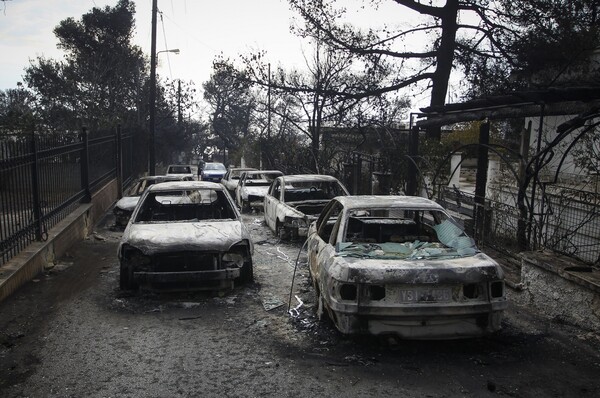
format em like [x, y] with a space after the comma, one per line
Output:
[421, 321]
[188, 280]
[212, 178]
[297, 227]
[256, 202]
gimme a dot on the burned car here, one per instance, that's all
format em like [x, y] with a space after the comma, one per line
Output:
[232, 178]
[185, 236]
[125, 206]
[180, 170]
[294, 201]
[401, 265]
[252, 188]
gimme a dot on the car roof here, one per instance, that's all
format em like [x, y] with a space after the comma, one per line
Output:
[162, 177]
[150, 177]
[242, 168]
[391, 201]
[168, 186]
[308, 177]
[263, 172]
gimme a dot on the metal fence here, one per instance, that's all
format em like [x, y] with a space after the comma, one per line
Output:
[566, 221]
[43, 178]
[492, 224]
[572, 223]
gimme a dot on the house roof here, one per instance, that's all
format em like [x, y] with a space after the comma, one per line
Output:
[551, 101]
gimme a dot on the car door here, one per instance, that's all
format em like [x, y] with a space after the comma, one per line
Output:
[238, 189]
[270, 203]
[227, 180]
[322, 236]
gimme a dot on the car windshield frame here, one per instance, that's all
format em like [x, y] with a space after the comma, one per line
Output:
[312, 190]
[215, 167]
[407, 233]
[184, 205]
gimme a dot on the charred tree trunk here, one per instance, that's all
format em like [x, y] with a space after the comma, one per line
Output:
[413, 153]
[481, 179]
[445, 57]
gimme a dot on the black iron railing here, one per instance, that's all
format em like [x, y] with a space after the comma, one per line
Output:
[43, 178]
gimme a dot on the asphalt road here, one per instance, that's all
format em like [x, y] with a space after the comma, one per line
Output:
[73, 333]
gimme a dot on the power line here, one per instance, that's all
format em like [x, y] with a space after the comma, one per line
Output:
[162, 23]
[190, 35]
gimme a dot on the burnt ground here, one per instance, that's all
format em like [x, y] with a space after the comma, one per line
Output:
[73, 333]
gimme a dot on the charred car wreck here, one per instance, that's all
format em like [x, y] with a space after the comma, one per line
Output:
[253, 185]
[125, 206]
[185, 236]
[295, 201]
[401, 265]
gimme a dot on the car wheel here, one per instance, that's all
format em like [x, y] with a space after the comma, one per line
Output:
[126, 278]
[322, 314]
[245, 206]
[282, 232]
[247, 273]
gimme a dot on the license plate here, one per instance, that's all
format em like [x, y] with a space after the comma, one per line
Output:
[419, 295]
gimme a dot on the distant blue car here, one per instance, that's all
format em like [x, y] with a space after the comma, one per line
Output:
[213, 172]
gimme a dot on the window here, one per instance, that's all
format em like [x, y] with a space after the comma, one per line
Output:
[275, 190]
[328, 222]
[185, 205]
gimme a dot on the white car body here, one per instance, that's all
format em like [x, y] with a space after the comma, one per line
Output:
[184, 170]
[232, 178]
[294, 201]
[185, 236]
[125, 206]
[253, 186]
[401, 265]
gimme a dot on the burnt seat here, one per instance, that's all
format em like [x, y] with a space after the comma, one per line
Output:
[381, 230]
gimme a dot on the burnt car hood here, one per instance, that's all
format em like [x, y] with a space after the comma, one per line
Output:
[469, 269]
[127, 203]
[255, 190]
[215, 236]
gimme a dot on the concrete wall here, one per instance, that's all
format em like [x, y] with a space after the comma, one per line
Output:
[560, 289]
[37, 256]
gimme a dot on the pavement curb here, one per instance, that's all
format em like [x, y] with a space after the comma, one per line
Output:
[30, 262]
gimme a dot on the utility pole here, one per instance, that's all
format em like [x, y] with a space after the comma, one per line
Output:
[269, 105]
[260, 157]
[151, 145]
[179, 116]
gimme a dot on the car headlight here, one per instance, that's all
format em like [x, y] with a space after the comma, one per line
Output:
[296, 222]
[344, 291]
[233, 259]
[497, 289]
[237, 255]
[134, 256]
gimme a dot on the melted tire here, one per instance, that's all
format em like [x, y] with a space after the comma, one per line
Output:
[246, 274]
[126, 279]
[282, 233]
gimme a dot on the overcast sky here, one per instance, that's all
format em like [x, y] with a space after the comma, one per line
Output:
[200, 29]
